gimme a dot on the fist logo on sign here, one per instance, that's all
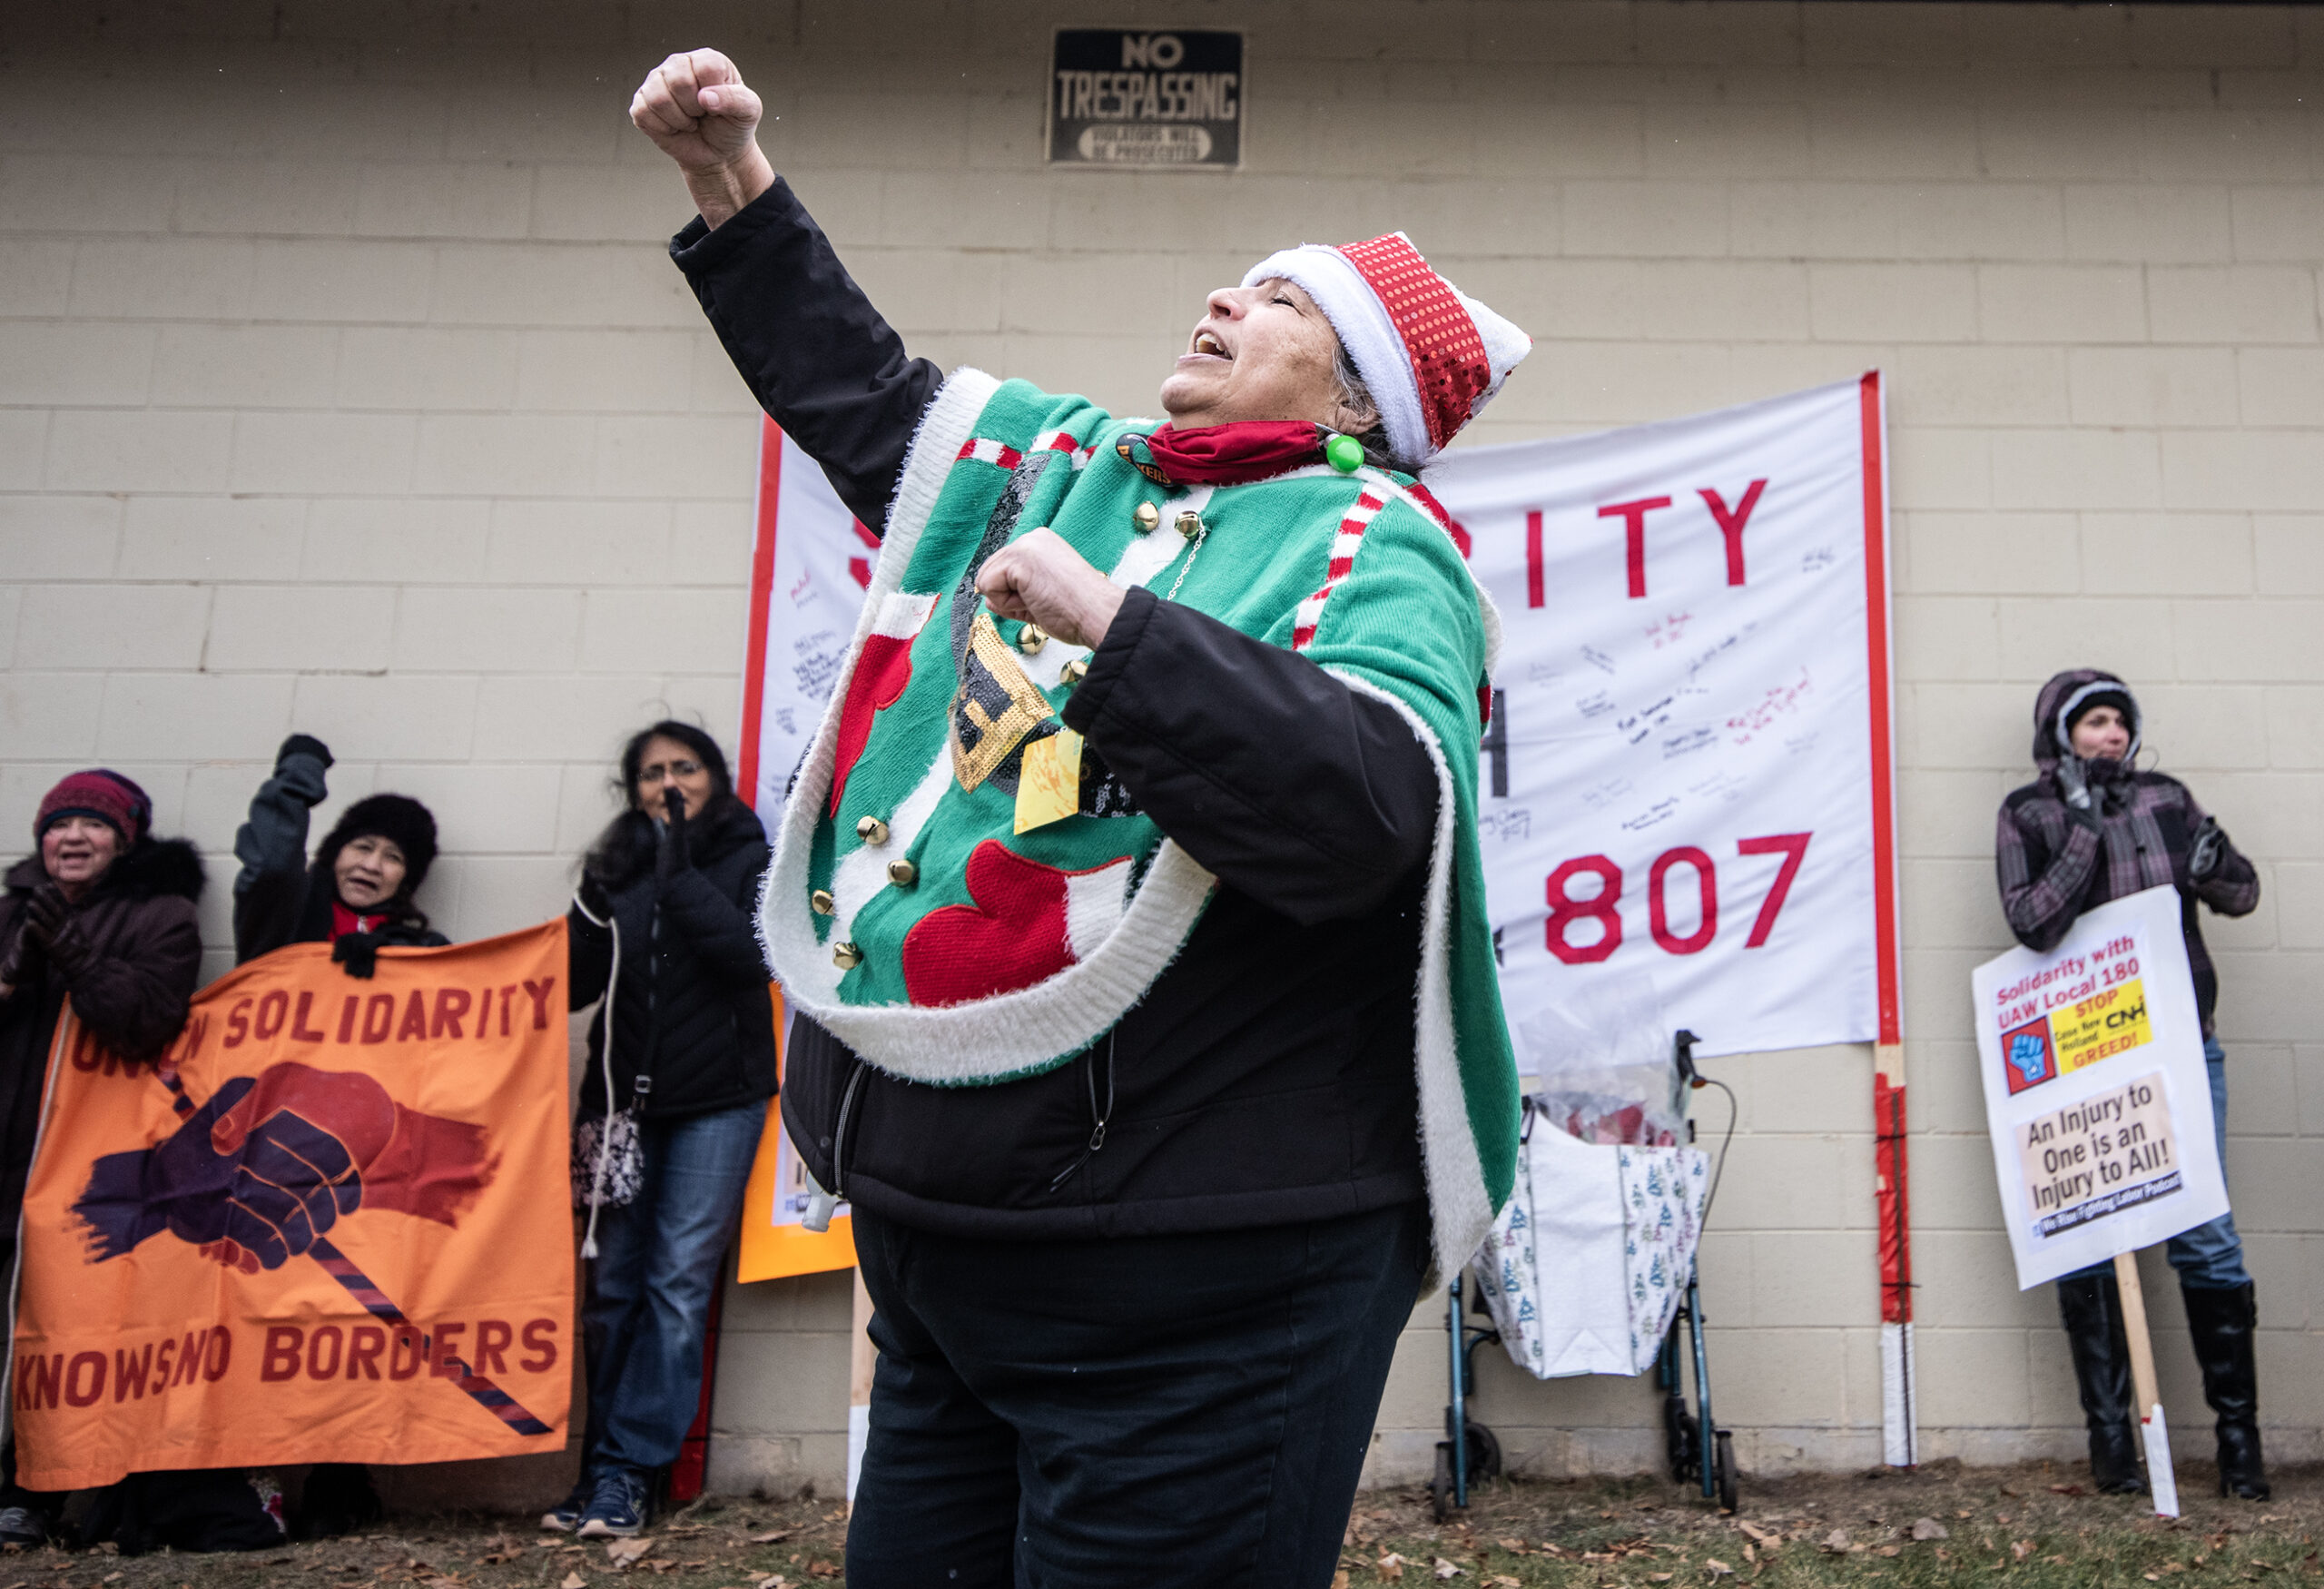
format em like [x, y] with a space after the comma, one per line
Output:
[259, 1174]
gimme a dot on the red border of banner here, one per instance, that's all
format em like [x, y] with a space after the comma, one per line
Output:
[1882, 708]
[767, 508]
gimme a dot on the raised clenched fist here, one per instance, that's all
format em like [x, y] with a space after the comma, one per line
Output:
[699, 112]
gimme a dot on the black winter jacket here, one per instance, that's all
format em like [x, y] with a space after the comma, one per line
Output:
[140, 920]
[279, 897]
[1267, 1075]
[690, 1009]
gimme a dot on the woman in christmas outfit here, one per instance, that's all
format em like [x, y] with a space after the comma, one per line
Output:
[682, 1051]
[1128, 895]
[104, 911]
[2092, 828]
[357, 893]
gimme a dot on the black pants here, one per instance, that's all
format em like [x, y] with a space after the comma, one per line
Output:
[1147, 1411]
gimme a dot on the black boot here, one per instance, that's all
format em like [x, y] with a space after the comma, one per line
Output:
[2222, 1321]
[2092, 1310]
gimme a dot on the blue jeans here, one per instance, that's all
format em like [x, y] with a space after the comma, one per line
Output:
[2210, 1257]
[650, 1285]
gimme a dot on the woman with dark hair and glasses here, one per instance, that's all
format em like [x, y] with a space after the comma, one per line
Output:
[681, 1065]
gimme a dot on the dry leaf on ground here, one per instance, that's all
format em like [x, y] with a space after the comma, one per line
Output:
[622, 1553]
[1837, 1540]
[2021, 1550]
[1391, 1566]
[1719, 1569]
[1926, 1528]
[1339, 1579]
[772, 1537]
[573, 1580]
[1445, 1569]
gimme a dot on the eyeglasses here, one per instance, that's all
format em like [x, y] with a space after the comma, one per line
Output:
[668, 772]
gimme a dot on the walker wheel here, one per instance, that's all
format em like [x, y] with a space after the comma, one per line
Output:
[1484, 1454]
[1725, 1457]
[1683, 1434]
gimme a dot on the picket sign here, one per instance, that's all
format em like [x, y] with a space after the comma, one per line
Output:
[2099, 1106]
[2097, 1097]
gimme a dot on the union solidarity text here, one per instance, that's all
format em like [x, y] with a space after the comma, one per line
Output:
[382, 1017]
[290, 1351]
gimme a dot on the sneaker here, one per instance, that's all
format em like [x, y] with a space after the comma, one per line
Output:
[616, 1508]
[22, 1526]
[566, 1515]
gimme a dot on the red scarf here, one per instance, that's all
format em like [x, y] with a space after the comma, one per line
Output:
[1225, 455]
[344, 920]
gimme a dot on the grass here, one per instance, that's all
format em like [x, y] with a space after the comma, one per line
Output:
[2030, 1527]
[2027, 1527]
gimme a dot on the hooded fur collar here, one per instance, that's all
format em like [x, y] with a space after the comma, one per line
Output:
[149, 869]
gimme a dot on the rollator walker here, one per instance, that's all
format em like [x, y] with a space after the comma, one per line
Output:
[1634, 1214]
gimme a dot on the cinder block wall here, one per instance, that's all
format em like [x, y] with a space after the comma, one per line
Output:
[343, 385]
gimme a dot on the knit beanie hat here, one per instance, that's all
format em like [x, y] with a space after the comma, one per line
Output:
[101, 793]
[1432, 356]
[397, 818]
[2102, 692]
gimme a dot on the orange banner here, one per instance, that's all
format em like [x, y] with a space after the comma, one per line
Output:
[333, 1224]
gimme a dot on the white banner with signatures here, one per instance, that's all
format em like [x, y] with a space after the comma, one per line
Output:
[1686, 792]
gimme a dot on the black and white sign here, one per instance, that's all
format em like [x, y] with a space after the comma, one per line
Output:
[1146, 100]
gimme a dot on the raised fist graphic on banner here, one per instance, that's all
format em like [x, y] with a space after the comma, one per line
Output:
[259, 1173]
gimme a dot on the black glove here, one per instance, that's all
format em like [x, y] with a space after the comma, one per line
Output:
[670, 856]
[594, 900]
[16, 963]
[359, 952]
[303, 744]
[50, 923]
[2203, 855]
[2076, 785]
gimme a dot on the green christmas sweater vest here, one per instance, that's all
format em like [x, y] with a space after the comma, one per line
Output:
[905, 912]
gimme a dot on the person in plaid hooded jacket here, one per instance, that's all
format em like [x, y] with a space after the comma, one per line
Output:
[2093, 827]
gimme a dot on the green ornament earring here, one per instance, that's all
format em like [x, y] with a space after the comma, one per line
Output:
[1344, 453]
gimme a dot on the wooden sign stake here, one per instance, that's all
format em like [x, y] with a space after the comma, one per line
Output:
[862, 1355]
[2153, 1436]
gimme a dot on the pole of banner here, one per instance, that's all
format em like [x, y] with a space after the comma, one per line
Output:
[863, 1355]
[1899, 1392]
[2153, 1434]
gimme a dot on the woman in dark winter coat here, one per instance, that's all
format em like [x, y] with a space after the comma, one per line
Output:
[2093, 828]
[357, 893]
[105, 912]
[682, 1063]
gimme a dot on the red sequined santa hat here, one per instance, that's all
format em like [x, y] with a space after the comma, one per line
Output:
[1431, 355]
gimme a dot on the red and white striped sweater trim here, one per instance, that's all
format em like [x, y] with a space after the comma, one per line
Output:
[1008, 456]
[1344, 549]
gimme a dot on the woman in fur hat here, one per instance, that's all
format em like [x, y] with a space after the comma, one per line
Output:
[357, 893]
[2092, 828]
[105, 912]
[1129, 898]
